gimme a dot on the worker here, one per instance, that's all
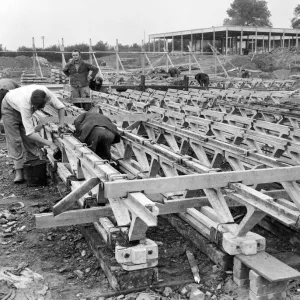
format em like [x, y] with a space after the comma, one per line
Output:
[174, 72]
[98, 132]
[78, 71]
[23, 141]
[96, 84]
[246, 74]
[6, 84]
[203, 79]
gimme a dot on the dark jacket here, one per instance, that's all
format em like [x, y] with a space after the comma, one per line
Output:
[85, 122]
[79, 78]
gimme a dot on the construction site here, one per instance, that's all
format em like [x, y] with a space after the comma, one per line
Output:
[201, 197]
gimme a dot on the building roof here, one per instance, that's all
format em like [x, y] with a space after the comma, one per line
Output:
[232, 31]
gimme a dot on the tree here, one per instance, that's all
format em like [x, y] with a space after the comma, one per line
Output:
[248, 13]
[296, 19]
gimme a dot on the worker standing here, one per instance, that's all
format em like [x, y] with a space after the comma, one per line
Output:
[78, 71]
[22, 139]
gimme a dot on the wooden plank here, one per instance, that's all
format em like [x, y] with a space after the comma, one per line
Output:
[67, 120]
[72, 217]
[121, 188]
[133, 117]
[135, 206]
[269, 267]
[75, 195]
[118, 278]
[223, 260]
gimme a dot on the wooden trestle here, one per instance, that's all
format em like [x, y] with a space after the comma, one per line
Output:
[169, 161]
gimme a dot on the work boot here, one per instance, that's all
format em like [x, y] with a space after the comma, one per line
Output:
[19, 176]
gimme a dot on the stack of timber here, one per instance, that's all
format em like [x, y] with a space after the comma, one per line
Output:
[58, 77]
[27, 78]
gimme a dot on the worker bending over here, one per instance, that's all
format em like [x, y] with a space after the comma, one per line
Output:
[98, 132]
[203, 79]
[23, 141]
[174, 72]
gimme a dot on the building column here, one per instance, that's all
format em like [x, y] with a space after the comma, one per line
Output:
[202, 42]
[256, 41]
[263, 43]
[154, 45]
[226, 41]
[159, 45]
[214, 38]
[236, 45]
[192, 41]
[252, 44]
[269, 40]
[181, 43]
[289, 42]
[241, 42]
[172, 43]
[297, 40]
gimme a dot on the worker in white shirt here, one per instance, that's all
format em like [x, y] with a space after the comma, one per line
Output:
[22, 138]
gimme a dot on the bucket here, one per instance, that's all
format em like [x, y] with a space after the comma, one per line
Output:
[36, 172]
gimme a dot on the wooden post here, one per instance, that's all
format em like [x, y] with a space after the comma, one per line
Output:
[226, 41]
[252, 45]
[158, 49]
[283, 39]
[263, 43]
[192, 42]
[172, 43]
[62, 49]
[186, 83]
[289, 42]
[143, 87]
[33, 56]
[143, 57]
[202, 42]
[190, 65]
[256, 40]
[181, 43]
[149, 45]
[117, 58]
[214, 39]
[91, 50]
[241, 42]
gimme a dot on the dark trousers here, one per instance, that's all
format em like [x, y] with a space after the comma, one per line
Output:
[99, 141]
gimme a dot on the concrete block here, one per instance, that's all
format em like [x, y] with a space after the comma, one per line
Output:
[238, 264]
[274, 296]
[259, 280]
[271, 288]
[241, 273]
[196, 294]
[249, 244]
[241, 282]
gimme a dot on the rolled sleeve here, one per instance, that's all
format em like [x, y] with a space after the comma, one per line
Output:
[54, 100]
[27, 121]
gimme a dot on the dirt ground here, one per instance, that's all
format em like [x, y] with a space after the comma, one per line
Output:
[67, 264]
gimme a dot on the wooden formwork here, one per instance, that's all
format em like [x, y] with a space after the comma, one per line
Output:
[163, 168]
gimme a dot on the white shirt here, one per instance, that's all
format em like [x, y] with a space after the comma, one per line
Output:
[19, 99]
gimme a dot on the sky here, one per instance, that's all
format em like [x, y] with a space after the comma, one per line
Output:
[103, 20]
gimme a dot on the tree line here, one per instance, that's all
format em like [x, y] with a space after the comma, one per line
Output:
[240, 13]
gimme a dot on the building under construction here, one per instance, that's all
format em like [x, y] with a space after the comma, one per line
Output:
[228, 39]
